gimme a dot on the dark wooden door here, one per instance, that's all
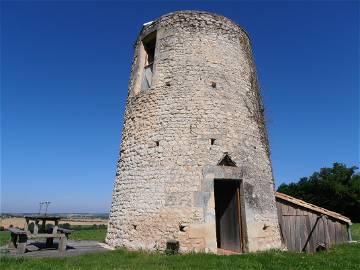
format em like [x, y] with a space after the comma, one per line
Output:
[228, 216]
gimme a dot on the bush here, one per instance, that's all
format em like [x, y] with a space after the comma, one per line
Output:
[31, 227]
[102, 226]
[336, 189]
[66, 226]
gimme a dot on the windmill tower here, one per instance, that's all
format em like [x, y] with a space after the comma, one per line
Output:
[194, 164]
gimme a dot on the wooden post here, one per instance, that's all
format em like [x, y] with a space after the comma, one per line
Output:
[349, 232]
[13, 240]
[62, 243]
[21, 248]
[36, 226]
[239, 219]
[326, 228]
[43, 225]
[27, 224]
[49, 242]
[56, 226]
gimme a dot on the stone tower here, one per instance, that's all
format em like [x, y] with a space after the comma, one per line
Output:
[194, 163]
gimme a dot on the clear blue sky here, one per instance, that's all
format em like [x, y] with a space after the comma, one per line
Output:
[64, 77]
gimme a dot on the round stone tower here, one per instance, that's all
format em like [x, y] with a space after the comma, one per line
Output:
[194, 166]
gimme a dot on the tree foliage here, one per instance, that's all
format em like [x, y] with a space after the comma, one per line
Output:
[336, 189]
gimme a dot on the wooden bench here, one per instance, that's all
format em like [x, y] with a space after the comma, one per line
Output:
[61, 233]
[67, 232]
[19, 238]
[63, 240]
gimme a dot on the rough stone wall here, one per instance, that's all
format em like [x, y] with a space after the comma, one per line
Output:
[204, 87]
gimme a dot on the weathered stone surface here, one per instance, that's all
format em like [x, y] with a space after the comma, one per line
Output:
[204, 87]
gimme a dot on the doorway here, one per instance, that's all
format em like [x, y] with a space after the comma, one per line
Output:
[229, 234]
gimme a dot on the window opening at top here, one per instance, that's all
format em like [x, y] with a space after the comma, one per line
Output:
[149, 43]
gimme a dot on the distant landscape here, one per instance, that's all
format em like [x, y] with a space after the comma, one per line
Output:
[65, 215]
[73, 219]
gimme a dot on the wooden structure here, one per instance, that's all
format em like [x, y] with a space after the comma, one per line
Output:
[18, 238]
[307, 227]
[229, 233]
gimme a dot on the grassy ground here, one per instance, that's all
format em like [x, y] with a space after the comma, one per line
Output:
[4, 237]
[355, 231]
[339, 257]
[97, 234]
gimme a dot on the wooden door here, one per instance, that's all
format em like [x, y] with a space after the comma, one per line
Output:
[228, 215]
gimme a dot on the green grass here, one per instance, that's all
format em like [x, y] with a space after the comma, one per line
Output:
[339, 257]
[355, 231]
[94, 234]
[4, 237]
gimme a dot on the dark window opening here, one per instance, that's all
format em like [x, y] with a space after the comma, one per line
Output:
[212, 141]
[157, 143]
[149, 43]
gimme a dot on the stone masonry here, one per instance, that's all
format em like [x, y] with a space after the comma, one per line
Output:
[203, 104]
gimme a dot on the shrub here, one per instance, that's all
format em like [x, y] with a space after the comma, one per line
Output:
[66, 226]
[31, 227]
[336, 189]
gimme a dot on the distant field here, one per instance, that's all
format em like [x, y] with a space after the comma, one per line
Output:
[20, 222]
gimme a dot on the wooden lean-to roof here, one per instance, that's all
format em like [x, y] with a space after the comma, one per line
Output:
[312, 207]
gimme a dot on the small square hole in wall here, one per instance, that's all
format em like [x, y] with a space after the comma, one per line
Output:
[157, 143]
[212, 141]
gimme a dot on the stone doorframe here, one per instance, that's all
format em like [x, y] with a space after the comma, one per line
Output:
[206, 199]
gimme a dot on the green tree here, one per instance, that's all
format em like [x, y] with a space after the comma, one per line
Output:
[336, 189]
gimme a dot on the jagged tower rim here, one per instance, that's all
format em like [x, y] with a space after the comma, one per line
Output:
[220, 18]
